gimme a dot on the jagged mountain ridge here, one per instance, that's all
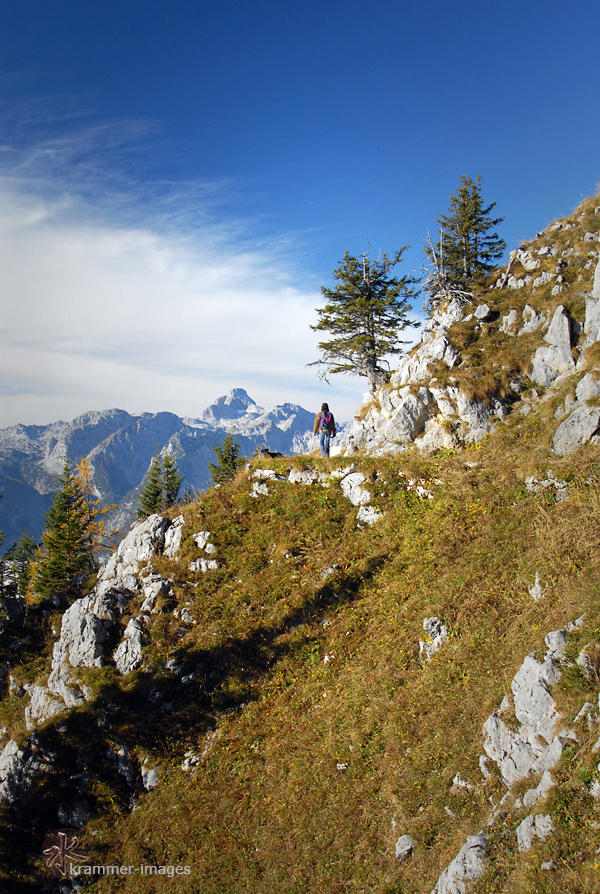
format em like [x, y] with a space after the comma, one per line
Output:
[120, 447]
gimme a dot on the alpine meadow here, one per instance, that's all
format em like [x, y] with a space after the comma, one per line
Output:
[378, 672]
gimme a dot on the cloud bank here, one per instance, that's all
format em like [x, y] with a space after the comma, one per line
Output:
[143, 296]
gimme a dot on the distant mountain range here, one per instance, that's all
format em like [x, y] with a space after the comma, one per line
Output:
[120, 448]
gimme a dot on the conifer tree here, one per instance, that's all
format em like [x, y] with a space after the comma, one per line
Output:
[468, 244]
[151, 497]
[162, 487]
[17, 565]
[229, 461]
[171, 480]
[67, 542]
[364, 313]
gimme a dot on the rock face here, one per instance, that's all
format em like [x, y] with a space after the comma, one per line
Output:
[89, 626]
[426, 406]
[468, 865]
[19, 768]
[556, 359]
[538, 742]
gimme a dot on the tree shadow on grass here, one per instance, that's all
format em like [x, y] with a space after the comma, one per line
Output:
[159, 714]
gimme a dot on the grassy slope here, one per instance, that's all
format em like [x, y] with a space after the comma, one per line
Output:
[309, 769]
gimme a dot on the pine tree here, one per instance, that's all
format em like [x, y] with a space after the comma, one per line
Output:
[468, 244]
[229, 461]
[67, 542]
[364, 313]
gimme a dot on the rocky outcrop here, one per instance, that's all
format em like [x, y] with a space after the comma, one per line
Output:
[550, 362]
[417, 409]
[90, 625]
[20, 767]
[468, 865]
[537, 742]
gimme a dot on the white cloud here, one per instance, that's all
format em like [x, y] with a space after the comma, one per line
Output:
[100, 312]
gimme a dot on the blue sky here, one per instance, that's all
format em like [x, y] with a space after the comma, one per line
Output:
[179, 179]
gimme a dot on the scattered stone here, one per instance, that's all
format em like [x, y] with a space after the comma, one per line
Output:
[581, 427]
[537, 591]
[149, 777]
[404, 847]
[459, 783]
[437, 636]
[483, 313]
[204, 565]
[532, 827]
[509, 321]
[367, 515]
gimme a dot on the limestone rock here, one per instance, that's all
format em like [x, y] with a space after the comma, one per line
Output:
[42, 706]
[588, 387]
[367, 515]
[416, 368]
[581, 426]
[351, 487]
[19, 767]
[509, 321]
[137, 547]
[437, 636]
[75, 815]
[149, 777]
[536, 745]
[408, 419]
[483, 313]
[404, 847]
[129, 653]
[596, 286]
[534, 795]
[173, 537]
[88, 623]
[531, 320]
[532, 827]
[305, 476]
[203, 565]
[550, 362]
[468, 865]
[537, 591]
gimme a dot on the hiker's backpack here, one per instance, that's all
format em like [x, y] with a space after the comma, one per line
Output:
[327, 422]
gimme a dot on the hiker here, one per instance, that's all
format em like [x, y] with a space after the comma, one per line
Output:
[325, 427]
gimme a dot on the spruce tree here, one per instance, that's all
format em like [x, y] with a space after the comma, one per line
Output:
[171, 481]
[67, 544]
[229, 461]
[364, 313]
[162, 487]
[468, 245]
[151, 497]
[18, 565]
